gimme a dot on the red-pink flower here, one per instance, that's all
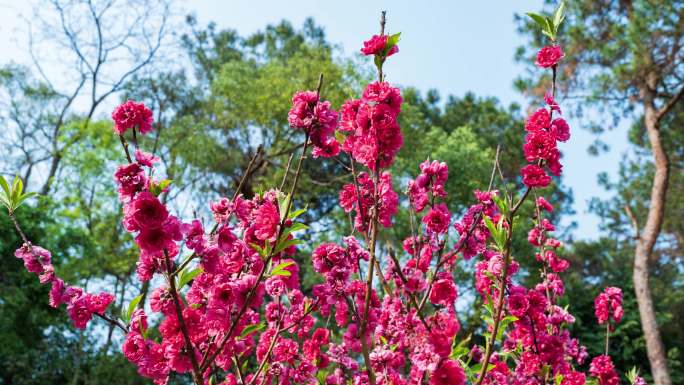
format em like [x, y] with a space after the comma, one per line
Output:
[131, 180]
[560, 130]
[145, 212]
[132, 115]
[437, 219]
[145, 159]
[266, 221]
[443, 290]
[574, 378]
[534, 176]
[377, 45]
[134, 347]
[608, 305]
[449, 372]
[57, 292]
[543, 204]
[539, 145]
[36, 259]
[549, 56]
[539, 120]
[79, 313]
[99, 303]
[602, 368]
[518, 304]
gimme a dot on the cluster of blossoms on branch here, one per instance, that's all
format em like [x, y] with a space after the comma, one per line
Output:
[229, 301]
[80, 305]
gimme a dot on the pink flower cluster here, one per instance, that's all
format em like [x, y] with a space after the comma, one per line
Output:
[80, 305]
[373, 133]
[359, 197]
[232, 278]
[603, 369]
[431, 180]
[317, 119]
[608, 306]
[132, 115]
[473, 234]
[540, 148]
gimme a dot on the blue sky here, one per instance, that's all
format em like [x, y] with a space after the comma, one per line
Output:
[451, 46]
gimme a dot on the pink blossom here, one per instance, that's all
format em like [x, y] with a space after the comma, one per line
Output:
[443, 290]
[539, 145]
[145, 159]
[132, 115]
[534, 176]
[79, 313]
[544, 204]
[449, 372]
[602, 368]
[134, 347]
[377, 45]
[437, 219]
[549, 56]
[144, 212]
[99, 303]
[36, 259]
[131, 180]
[560, 130]
[539, 120]
[56, 292]
[608, 305]
[267, 220]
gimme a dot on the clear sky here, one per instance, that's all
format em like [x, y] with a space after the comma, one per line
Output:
[452, 46]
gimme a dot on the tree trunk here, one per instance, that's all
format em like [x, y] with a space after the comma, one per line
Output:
[644, 249]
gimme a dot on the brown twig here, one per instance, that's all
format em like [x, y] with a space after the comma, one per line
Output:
[412, 298]
[124, 144]
[196, 372]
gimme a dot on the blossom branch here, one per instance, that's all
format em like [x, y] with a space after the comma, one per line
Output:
[208, 359]
[502, 290]
[196, 372]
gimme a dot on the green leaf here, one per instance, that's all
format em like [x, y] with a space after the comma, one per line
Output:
[490, 225]
[545, 23]
[503, 325]
[378, 61]
[539, 19]
[297, 226]
[251, 329]
[287, 243]
[458, 352]
[259, 249]
[283, 206]
[158, 187]
[131, 308]
[4, 185]
[24, 198]
[501, 204]
[294, 214]
[341, 138]
[558, 16]
[280, 269]
[17, 190]
[392, 40]
[559, 379]
[186, 276]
